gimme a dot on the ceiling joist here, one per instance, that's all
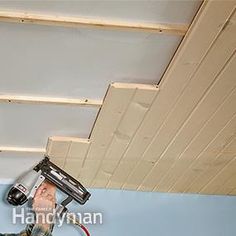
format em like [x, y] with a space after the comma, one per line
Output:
[49, 100]
[65, 21]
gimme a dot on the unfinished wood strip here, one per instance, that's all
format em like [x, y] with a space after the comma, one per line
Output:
[208, 106]
[201, 81]
[49, 100]
[66, 21]
[133, 117]
[22, 149]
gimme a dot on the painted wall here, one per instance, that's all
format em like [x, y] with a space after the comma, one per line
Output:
[135, 213]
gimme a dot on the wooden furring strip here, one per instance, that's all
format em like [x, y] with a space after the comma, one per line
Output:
[65, 21]
[22, 149]
[49, 100]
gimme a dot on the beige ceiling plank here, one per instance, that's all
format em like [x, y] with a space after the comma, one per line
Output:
[106, 170]
[57, 147]
[198, 87]
[5, 98]
[203, 151]
[211, 136]
[156, 174]
[208, 169]
[136, 177]
[86, 174]
[225, 181]
[66, 21]
[229, 186]
[133, 117]
[211, 102]
[233, 192]
[73, 167]
[68, 152]
[22, 149]
[119, 176]
[199, 167]
[75, 156]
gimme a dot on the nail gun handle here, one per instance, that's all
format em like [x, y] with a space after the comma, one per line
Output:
[65, 182]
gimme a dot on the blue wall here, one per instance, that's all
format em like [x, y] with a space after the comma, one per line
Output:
[135, 213]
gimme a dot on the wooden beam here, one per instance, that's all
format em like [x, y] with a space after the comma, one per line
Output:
[49, 100]
[65, 21]
[22, 149]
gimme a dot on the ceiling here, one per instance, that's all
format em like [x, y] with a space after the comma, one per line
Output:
[78, 62]
[178, 136]
[55, 62]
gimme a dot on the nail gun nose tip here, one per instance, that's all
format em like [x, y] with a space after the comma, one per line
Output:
[11, 200]
[16, 197]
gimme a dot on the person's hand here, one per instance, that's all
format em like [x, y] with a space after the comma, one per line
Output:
[44, 204]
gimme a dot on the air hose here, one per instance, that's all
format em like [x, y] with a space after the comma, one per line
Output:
[76, 222]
